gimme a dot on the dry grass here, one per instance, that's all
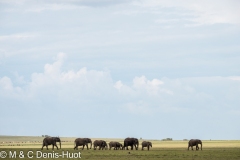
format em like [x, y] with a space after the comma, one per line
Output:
[68, 142]
[165, 150]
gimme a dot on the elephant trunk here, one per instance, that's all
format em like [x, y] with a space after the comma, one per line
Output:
[201, 146]
[91, 144]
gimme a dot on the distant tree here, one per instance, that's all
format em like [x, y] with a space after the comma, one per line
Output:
[167, 139]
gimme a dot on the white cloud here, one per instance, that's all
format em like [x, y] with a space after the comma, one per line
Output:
[8, 90]
[118, 85]
[152, 87]
[54, 7]
[6, 83]
[93, 94]
[235, 78]
[20, 36]
[83, 81]
[204, 12]
[142, 95]
[40, 6]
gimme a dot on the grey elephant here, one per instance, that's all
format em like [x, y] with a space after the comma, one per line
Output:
[194, 142]
[116, 145]
[119, 146]
[51, 141]
[146, 144]
[100, 143]
[80, 142]
[89, 141]
[131, 142]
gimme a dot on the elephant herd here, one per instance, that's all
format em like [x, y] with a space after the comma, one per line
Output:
[101, 144]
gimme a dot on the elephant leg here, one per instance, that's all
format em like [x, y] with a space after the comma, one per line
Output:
[83, 147]
[42, 146]
[75, 147]
[56, 146]
[197, 148]
[136, 147]
[148, 147]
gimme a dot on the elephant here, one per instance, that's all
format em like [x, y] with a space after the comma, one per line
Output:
[100, 143]
[119, 146]
[116, 145]
[80, 142]
[131, 142]
[194, 142]
[146, 144]
[51, 141]
[89, 141]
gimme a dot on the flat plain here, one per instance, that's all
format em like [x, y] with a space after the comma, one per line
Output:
[166, 150]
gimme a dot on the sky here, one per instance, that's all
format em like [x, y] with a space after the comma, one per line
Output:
[125, 68]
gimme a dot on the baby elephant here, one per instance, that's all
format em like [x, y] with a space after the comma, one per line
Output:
[146, 144]
[115, 145]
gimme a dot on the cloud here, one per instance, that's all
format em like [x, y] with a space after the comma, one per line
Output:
[53, 7]
[93, 95]
[21, 36]
[152, 87]
[6, 83]
[198, 12]
[41, 6]
[81, 83]
[235, 78]
[142, 95]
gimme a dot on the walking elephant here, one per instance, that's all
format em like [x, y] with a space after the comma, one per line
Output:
[116, 145]
[89, 141]
[99, 143]
[194, 142]
[51, 141]
[131, 142]
[146, 144]
[81, 142]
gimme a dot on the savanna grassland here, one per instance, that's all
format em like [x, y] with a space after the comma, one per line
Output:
[165, 150]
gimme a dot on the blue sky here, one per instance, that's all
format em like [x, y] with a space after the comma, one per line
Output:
[141, 68]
